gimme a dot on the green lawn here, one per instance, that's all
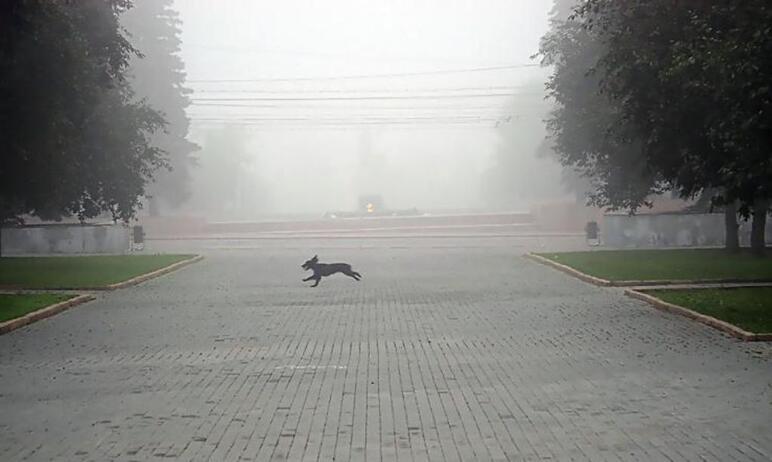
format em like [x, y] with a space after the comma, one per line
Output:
[79, 271]
[749, 308]
[671, 264]
[15, 305]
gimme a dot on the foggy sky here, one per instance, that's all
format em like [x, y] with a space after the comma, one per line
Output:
[311, 155]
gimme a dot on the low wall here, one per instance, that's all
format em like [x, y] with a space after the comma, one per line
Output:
[65, 239]
[670, 230]
[373, 222]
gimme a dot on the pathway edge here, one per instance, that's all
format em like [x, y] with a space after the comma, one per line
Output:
[736, 282]
[153, 274]
[715, 323]
[45, 312]
[567, 269]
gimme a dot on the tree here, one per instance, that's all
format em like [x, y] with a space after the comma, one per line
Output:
[220, 179]
[75, 141]
[707, 202]
[158, 76]
[510, 181]
[662, 94]
[584, 128]
[692, 78]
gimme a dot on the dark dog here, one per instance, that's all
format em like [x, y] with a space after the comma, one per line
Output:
[327, 269]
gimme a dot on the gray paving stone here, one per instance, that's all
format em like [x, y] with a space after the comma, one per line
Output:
[443, 352]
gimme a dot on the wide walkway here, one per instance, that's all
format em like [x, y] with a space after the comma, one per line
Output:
[441, 353]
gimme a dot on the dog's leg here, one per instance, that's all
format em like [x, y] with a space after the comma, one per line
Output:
[352, 274]
[308, 278]
[317, 282]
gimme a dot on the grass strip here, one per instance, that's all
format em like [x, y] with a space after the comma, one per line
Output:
[749, 308]
[78, 271]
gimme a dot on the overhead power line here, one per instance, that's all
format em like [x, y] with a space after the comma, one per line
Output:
[349, 116]
[352, 119]
[347, 56]
[352, 127]
[490, 122]
[453, 105]
[371, 76]
[343, 122]
[360, 90]
[194, 100]
[333, 106]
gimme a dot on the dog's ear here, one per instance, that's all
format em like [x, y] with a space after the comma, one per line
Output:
[316, 257]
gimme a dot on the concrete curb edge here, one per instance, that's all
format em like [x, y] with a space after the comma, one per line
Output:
[153, 274]
[642, 283]
[723, 326]
[118, 285]
[43, 313]
[567, 269]
[681, 282]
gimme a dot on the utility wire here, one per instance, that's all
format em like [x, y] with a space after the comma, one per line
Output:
[334, 106]
[351, 98]
[361, 90]
[370, 76]
[350, 127]
[347, 119]
[344, 124]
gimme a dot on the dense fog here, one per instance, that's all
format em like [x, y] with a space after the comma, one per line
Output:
[301, 107]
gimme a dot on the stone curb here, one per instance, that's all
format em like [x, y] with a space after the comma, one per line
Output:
[153, 274]
[699, 317]
[673, 285]
[567, 269]
[697, 283]
[692, 282]
[43, 313]
[118, 285]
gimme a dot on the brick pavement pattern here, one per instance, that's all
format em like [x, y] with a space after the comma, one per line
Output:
[469, 353]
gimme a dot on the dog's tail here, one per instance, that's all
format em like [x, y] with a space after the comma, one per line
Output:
[356, 274]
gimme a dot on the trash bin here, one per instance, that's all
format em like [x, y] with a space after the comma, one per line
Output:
[139, 235]
[592, 232]
[137, 238]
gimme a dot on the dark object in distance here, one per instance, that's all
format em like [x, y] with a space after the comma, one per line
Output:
[327, 269]
[139, 235]
[592, 229]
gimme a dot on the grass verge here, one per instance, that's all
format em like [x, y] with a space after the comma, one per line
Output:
[667, 264]
[13, 306]
[78, 271]
[749, 308]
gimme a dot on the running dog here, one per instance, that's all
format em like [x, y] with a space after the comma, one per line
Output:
[327, 269]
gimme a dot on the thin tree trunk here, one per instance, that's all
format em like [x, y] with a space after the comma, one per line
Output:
[732, 238]
[758, 227]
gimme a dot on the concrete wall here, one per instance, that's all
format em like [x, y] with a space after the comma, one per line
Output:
[384, 222]
[670, 230]
[65, 239]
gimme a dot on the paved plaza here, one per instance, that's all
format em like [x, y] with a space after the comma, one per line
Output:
[459, 351]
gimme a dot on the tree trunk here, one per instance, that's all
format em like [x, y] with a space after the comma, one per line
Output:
[758, 227]
[732, 238]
